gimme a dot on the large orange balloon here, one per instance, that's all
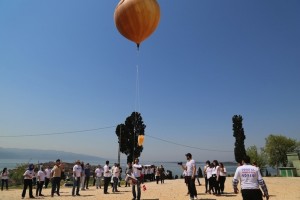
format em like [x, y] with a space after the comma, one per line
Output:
[140, 140]
[137, 19]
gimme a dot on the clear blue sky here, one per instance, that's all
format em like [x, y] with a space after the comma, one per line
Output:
[65, 67]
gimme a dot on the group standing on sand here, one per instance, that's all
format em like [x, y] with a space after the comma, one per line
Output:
[215, 177]
[214, 174]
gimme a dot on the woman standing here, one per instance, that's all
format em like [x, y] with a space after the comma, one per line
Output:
[222, 177]
[28, 176]
[207, 164]
[4, 175]
[209, 170]
[215, 176]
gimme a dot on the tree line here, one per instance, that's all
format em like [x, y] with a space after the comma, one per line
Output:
[272, 154]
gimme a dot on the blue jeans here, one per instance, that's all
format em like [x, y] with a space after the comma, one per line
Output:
[138, 184]
[76, 183]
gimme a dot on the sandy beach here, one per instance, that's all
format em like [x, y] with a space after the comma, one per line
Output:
[280, 188]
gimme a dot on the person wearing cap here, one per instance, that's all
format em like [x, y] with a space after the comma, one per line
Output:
[250, 178]
[190, 168]
[56, 177]
[28, 175]
[76, 178]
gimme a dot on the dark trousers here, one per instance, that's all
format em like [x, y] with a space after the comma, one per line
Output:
[106, 183]
[55, 185]
[76, 184]
[115, 185]
[191, 186]
[6, 183]
[206, 184]
[86, 182]
[157, 179]
[138, 185]
[210, 185]
[222, 180]
[198, 179]
[46, 182]
[251, 194]
[27, 183]
[215, 185]
[39, 187]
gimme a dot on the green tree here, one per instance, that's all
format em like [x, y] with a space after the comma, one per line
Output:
[16, 175]
[238, 133]
[259, 157]
[277, 146]
[128, 136]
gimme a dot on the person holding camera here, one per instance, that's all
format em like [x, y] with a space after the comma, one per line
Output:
[190, 168]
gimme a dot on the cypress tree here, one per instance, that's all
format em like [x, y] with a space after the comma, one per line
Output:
[238, 133]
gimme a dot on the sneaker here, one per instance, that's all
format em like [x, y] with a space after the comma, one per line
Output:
[195, 198]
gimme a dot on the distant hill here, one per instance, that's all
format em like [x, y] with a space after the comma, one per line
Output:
[15, 153]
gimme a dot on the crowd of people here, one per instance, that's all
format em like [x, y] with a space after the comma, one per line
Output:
[214, 174]
[80, 175]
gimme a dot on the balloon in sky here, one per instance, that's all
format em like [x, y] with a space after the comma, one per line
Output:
[137, 19]
[140, 140]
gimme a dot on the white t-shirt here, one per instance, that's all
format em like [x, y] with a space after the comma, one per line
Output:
[4, 175]
[48, 172]
[224, 172]
[41, 175]
[209, 172]
[116, 172]
[77, 170]
[136, 171]
[106, 171]
[99, 172]
[190, 166]
[249, 176]
[30, 173]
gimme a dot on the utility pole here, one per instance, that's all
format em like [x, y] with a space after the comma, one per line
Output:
[120, 139]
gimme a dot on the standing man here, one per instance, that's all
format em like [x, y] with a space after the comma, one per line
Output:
[76, 178]
[190, 168]
[137, 169]
[48, 174]
[55, 177]
[40, 182]
[128, 172]
[107, 177]
[87, 171]
[99, 174]
[28, 175]
[250, 178]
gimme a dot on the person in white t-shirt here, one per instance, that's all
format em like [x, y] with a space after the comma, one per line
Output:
[250, 179]
[4, 178]
[137, 169]
[48, 175]
[107, 176]
[28, 176]
[222, 177]
[190, 168]
[115, 175]
[77, 173]
[40, 182]
[99, 175]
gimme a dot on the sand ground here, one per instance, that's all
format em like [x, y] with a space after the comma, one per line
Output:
[280, 188]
